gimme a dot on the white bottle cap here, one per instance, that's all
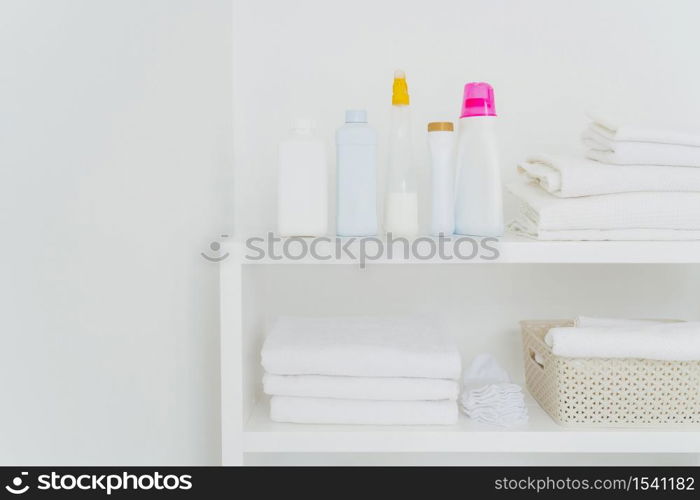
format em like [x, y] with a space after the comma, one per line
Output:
[355, 116]
[303, 125]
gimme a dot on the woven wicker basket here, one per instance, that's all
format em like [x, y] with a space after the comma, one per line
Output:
[609, 392]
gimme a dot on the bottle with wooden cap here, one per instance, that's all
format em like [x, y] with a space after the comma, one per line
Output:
[441, 141]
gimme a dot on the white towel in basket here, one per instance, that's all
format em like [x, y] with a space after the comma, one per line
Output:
[660, 341]
[360, 346]
[347, 411]
[374, 388]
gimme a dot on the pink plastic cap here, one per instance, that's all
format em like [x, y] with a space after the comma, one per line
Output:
[478, 100]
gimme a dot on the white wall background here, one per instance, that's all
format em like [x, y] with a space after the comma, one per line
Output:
[548, 60]
[115, 135]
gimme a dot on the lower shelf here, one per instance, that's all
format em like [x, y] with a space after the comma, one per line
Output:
[539, 435]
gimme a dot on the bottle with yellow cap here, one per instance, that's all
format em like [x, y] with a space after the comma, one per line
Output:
[401, 203]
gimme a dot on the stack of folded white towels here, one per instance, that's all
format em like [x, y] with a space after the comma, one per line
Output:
[490, 397]
[636, 182]
[361, 370]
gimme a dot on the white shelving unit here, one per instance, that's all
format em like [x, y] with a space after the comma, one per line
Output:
[316, 59]
[254, 291]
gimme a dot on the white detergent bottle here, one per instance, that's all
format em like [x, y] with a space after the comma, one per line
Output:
[356, 145]
[302, 177]
[478, 193]
[401, 203]
[441, 141]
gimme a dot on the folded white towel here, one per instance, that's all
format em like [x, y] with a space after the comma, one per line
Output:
[660, 341]
[569, 176]
[347, 411]
[616, 127]
[613, 140]
[639, 153]
[609, 211]
[360, 346]
[525, 227]
[371, 388]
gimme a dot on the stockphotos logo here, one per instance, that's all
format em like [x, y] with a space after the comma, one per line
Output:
[104, 483]
[17, 486]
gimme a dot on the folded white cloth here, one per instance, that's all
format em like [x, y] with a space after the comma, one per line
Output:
[507, 417]
[360, 346]
[526, 227]
[613, 140]
[348, 411]
[503, 393]
[639, 153]
[371, 388]
[609, 211]
[660, 341]
[489, 396]
[568, 176]
[616, 127]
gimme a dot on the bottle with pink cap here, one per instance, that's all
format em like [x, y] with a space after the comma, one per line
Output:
[478, 191]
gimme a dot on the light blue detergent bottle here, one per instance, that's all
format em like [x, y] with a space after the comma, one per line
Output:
[356, 145]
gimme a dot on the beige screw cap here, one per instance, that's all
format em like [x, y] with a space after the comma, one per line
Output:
[440, 127]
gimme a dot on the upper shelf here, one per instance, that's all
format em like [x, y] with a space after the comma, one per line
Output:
[509, 249]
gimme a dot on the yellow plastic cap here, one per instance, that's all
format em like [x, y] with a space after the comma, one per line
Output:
[400, 93]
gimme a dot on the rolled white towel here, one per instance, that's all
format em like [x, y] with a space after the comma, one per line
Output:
[659, 341]
[355, 412]
[371, 388]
